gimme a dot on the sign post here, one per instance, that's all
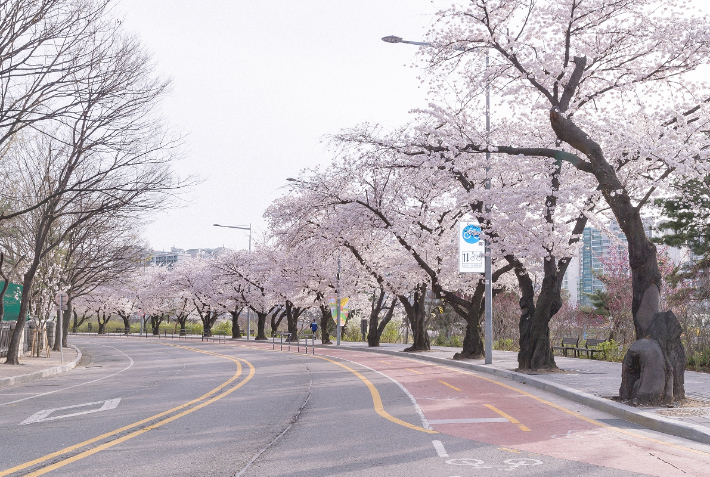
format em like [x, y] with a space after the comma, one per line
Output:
[61, 299]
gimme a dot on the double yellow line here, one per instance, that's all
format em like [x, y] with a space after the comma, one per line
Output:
[204, 400]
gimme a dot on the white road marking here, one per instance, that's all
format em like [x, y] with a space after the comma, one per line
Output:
[76, 385]
[417, 409]
[440, 451]
[468, 421]
[44, 415]
[508, 464]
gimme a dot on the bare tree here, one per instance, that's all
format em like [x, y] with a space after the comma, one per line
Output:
[109, 155]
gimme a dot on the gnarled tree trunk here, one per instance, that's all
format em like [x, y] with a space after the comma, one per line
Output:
[645, 274]
[375, 326]
[416, 314]
[325, 318]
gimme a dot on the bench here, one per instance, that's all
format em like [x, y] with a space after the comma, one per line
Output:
[568, 344]
[590, 347]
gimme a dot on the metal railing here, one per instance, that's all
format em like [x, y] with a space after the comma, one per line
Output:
[281, 335]
[289, 342]
[219, 337]
[5, 334]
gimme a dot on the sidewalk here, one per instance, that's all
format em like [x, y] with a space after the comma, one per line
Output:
[32, 368]
[588, 382]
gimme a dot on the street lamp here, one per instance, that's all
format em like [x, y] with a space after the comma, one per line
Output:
[242, 227]
[488, 272]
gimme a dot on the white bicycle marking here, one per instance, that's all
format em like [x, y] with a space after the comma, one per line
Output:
[507, 465]
[44, 415]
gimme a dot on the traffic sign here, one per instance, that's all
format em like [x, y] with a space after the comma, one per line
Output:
[61, 298]
[472, 249]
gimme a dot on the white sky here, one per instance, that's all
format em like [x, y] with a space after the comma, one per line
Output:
[256, 87]
[257, 84]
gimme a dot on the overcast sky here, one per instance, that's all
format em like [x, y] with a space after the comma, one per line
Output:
[256, 87]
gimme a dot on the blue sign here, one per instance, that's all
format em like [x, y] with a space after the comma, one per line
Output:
[471, 234]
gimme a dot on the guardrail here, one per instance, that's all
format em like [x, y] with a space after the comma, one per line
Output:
[289, 342]
[219, 337]
[281, 335]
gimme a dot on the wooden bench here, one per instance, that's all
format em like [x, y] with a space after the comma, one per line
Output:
[590, 347]
[568, 344]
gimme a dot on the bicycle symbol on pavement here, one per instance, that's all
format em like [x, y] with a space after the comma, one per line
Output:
[508, 464]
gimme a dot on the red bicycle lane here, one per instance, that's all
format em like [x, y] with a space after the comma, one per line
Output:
[475, 407]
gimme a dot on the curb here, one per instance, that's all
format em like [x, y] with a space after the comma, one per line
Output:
[25, 378]
[643, 418]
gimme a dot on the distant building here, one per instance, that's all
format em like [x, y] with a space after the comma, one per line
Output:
[580, 279]
[176, 255]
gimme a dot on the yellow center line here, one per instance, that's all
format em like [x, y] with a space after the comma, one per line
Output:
[386, 362]
[449, 385]
[507, 416]
[376, 399]
[516, 451]
[93, 440]
[414, 370]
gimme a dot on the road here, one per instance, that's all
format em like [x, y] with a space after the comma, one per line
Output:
[185, 408]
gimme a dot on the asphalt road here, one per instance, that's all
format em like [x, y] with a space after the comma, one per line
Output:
[145, 407]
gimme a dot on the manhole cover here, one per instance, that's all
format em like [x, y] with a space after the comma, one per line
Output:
[683, 412]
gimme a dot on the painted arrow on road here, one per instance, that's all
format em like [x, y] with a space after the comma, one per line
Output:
[46, 415]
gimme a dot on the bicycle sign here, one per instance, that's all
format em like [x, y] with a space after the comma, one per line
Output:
[471, 248]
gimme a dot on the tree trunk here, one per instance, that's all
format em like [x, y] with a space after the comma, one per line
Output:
[236, 332]
[416, 314]
[261, 327]
[472, 314]
[325, 319]
[292, 315]
[155, 321]
[66, 321]
[3, 290]
[376, 327]
[208, 320]
[13, 352]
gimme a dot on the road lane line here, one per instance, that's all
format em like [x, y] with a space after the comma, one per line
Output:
[77, 385]
[440, 450]
[386, 362]
[413, 370]
[510, 418]
[449, 385]
[377, 400]
[93, 440]
[473, 420]
[137, 433]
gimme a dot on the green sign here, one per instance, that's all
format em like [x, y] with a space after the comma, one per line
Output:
[11, 301]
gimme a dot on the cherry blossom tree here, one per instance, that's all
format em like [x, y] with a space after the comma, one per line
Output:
[595, 91]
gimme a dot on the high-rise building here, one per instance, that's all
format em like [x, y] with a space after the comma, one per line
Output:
[581, 280]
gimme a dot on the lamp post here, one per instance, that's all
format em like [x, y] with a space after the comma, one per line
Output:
[242, 227]
[488, 345]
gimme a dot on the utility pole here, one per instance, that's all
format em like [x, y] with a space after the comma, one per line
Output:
[338, 302]
[488, 297]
